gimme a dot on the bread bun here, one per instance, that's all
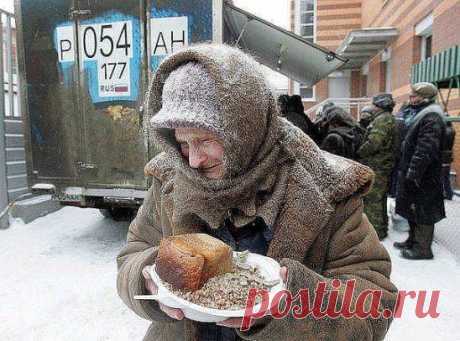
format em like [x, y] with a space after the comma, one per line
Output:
[187, 261]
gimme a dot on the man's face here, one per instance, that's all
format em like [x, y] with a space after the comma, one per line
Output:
[415, 99]
[203, 150]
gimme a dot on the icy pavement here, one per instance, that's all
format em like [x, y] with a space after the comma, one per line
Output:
[58, 274]
[442, 273]
[447, 231]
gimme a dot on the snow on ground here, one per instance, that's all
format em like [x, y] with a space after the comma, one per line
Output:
[58, 282]
[443, 274]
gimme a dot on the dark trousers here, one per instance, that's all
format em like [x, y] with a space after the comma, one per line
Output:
[421, 237]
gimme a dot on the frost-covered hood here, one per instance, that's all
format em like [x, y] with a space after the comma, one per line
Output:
[221, 89]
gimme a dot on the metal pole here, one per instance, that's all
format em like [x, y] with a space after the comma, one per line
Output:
[3, 180]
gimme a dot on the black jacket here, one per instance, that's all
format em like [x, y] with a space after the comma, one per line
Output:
[340, 141]
[294, 113]
[340, 133]
[299, 120]
[448, 144]
[419, 195]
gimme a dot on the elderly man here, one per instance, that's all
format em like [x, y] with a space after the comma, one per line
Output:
[419, 196]
[232, 168]
[378, 152]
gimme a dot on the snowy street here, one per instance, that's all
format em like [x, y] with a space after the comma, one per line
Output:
[58, 282]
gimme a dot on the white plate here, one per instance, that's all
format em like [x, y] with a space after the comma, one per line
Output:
[268, 267]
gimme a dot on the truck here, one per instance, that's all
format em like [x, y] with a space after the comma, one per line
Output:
[85, 66]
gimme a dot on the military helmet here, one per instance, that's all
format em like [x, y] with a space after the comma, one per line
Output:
[383, 101]
[366, 115]
[368, 108]
[425, 90]
[327, 107]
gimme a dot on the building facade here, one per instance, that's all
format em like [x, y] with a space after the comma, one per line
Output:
[383, 40]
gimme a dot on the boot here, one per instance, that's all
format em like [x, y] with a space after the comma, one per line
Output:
[416, 254]
[421, 248]
[409, 242]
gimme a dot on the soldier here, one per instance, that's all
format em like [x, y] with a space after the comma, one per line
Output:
[366, 116]
[419, 196]
[377, 152]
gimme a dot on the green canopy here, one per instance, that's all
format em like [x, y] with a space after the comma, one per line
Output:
[442, 69]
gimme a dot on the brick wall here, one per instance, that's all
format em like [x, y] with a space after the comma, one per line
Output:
[446, 25]
[374, 77]
[355, 83]
[403, 57]
[335, 18]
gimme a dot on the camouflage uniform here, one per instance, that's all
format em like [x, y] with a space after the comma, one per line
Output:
[377, 152]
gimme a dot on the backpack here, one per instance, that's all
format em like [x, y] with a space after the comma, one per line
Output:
[344, 141]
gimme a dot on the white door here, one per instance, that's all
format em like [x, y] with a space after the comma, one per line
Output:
[339, 85]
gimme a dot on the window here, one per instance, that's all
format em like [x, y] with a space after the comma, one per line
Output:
[426, 47]
[424, 30]
[306, 92]
[7, 53]
[307, 19]
[306, 28]
[16, 112]
[307, 5]
[386, 64]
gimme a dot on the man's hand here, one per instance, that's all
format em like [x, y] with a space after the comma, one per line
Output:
[153, 289]
[235, 322]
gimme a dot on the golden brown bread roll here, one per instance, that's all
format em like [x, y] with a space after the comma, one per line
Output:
[187, 261]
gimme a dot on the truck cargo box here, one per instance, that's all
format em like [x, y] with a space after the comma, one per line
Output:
[85, 66]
